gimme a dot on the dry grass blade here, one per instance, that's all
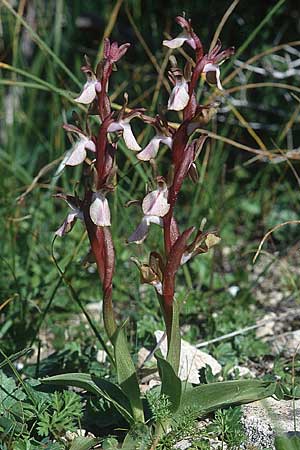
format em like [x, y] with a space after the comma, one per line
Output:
[145, 47]
[109, 27]
[280, 225]
[263, 153]
[289, 123]
[42, 172]
[222, 23]
[43, 46]
[160, 79]
[248, 127]
[257, 57]
[289, 87]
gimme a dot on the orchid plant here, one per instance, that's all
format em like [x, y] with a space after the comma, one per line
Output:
[97, 152]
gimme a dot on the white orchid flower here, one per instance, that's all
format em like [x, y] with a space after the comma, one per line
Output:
[124, 126]
[151, 150]
[99, 210]
[178, 41]
[212, 75]
[77, 154]
[179, 97]
[90, 89]
[155, 206]
[73, 215]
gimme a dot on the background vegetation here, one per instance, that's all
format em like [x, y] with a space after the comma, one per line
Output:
[242, 190]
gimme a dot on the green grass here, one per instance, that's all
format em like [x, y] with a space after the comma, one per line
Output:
[241, 197]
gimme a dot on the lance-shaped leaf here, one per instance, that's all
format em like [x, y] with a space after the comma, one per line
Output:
[209, 397]
[97, 386]
[170, 383]
[126, 374]
[109, 266]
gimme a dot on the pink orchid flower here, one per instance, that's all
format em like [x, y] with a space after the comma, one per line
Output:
[90, 88]
[99, 210]
[155, 206]
[123, 125]
[151, 150]
[77, 154]
[75, 213]
[215, 58]
[187, 35]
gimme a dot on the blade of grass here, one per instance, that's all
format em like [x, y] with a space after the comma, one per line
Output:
[109, 27]
[289, 87]
[145, 47]
[79, 303]
[254, 58]
[248, 127]
[222, 23]
[43, 46]
[255, 32]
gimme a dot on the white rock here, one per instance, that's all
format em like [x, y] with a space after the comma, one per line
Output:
[101, 356]
[267, 329]
[266, 418]
[287, 343]
[191, 360]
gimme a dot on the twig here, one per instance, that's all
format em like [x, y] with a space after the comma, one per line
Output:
[234, 333]
[34, 182]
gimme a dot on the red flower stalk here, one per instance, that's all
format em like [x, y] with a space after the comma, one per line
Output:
[159, 203]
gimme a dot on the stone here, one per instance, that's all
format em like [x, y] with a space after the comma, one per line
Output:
[265, 419]
[191, 360]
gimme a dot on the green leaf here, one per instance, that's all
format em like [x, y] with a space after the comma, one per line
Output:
[287, 442]
[138, 438]
[209, 397]
[101, 388]
[83, 443]
[171, 384]
[173, 356]
[126, 374]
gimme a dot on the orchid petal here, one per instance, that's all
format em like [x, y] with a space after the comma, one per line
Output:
[150, 151]
[67, 225]
[88, 93]
[179, 97]
[140, 234]
[77, 154]
[129, 138]
[115, 127]
[212, 75]
[154, 219]
[90, 145]
[168, 141]
[99, 210]
[156, 203]
[177, 41]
